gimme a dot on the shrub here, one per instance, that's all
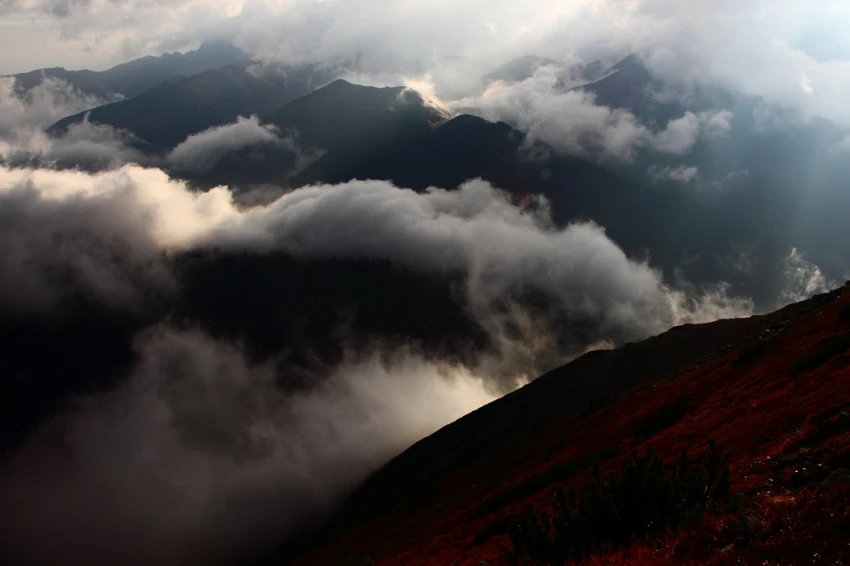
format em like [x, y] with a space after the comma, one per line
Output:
[844, 313]
[645, 498]
[553, 474]
[665, 417]
[822, 352]
[753, 352]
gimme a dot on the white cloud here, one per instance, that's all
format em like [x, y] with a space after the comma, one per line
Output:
[679, 174]
[572, 122]
[802, 279]
[756, 47]
[23, 119]
[679, 136]
[41, 106]
[197, 456]
[203, 150]
[474, 230]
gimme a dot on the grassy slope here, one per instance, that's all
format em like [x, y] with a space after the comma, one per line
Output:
[779, 422]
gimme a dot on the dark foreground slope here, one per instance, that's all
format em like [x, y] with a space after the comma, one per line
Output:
[774, 391]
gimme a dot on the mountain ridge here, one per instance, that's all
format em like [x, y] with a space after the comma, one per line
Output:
[428, 504]
[134, 77]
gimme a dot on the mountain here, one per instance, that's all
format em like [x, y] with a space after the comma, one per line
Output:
[629, 85]
[166, 115]
[135, 77]
[780, 174]
[351, 123]
[334, 128]
[668, 224]
[359, 132]
[771, 390]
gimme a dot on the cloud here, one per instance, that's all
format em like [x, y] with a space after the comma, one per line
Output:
[679, 136]
[573, 123]
[70, 234]
[201, 151]
[199, 457]
[85, 145]
[40, 106]
[53, 252]
[504, 253]
[802, 279]
[24, 117]
[680, 174]
[765, 49]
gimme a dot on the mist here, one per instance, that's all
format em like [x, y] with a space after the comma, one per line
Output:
[790, 54]
[199, 457]
[197, 454]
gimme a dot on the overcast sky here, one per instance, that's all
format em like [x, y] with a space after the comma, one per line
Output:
[793, 51]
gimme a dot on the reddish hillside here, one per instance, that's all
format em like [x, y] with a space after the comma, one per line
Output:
[774, 391]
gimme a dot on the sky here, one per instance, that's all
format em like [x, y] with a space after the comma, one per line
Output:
[793, 52]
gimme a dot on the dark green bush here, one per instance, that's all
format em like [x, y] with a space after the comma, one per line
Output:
[644, 498]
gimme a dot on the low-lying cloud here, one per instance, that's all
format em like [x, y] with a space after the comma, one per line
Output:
[199, 457]
[572, 122]
[24, 117]
[501, 251]
[39, 107]
[201, 151]
[802, 279]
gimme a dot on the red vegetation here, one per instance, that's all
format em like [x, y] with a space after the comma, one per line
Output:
[779, 404]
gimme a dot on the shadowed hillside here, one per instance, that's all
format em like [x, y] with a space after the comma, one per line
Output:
[772, 390]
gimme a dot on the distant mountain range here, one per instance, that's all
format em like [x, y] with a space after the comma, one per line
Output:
[748, 179]
[166, 115]
[359, 132]
[135, 77]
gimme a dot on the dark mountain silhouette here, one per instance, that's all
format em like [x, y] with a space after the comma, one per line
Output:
[666, 224]
[166, 115]
[449, 498]
[335, 128]
[773, 171]
[351, 123]
[135, 77]
[392, 134]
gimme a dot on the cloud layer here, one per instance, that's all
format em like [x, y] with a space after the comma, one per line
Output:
[573, 123]
[476, 231]
[201, 151]
[791, 55]
[199, 457]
